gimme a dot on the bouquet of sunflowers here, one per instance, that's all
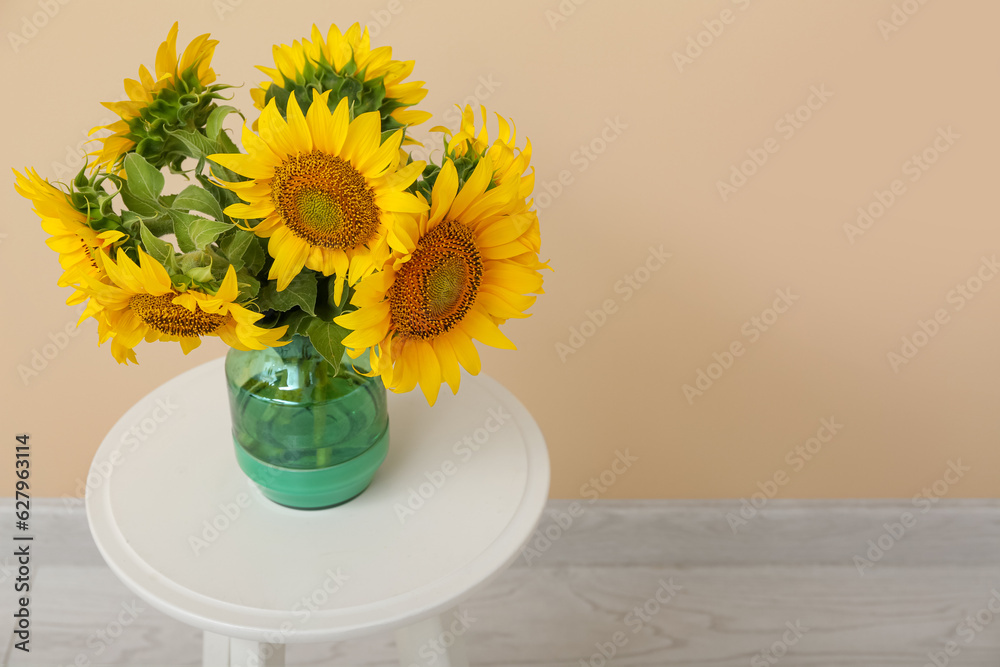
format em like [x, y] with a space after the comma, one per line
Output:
[322, 225]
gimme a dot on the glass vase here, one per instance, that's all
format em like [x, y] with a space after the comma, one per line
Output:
[307, 435]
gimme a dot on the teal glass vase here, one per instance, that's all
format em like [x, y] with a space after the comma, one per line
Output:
[307, 435]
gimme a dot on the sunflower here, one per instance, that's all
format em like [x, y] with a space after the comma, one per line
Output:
[155, 104]
[327, 191]
[455, 272]
[140, 302]
[344, 62]
[510, 163]
[81, 248]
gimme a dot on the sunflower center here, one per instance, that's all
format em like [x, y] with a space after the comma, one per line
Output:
[325, 201]
[172, 319]
[435, 289]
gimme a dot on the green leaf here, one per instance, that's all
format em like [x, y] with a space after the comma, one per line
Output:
[194, 232]
[248, 284]
[196, 143]
[297, 321]
[138, 205]
[300, 292]
[157, 248]
[235, 246]
[214, 126]
[328, 339]
[228, 147]
[256, 255]
[144, 180]
[194, 198]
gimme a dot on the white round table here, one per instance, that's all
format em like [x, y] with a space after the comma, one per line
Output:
[460, 493]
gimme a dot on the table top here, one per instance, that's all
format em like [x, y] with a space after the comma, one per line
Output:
[461, 491]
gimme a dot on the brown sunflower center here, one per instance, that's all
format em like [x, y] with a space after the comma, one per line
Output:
[172, 319]
[435, 289]
[325, 201]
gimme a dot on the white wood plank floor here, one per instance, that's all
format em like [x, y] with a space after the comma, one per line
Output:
[560, 610]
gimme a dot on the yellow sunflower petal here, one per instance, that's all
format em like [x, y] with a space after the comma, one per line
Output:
[297, 127]
[443, 194]
[466, 353]
[482, 328]
[429, 371]
[363, 137]
[449, 362]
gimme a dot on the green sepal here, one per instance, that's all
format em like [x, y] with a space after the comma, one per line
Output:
[197, 266]
[213, 127]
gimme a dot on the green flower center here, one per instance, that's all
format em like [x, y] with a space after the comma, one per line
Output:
[446, 285]
[319, 210]
[434, 290]
[325, 201]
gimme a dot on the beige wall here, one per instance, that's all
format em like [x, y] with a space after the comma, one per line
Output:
[681, 128]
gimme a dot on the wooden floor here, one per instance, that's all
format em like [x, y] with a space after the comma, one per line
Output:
[787, 590]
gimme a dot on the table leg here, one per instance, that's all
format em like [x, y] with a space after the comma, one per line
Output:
[214, 650]
[434, 642]
[222, 651]
[247, 653]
